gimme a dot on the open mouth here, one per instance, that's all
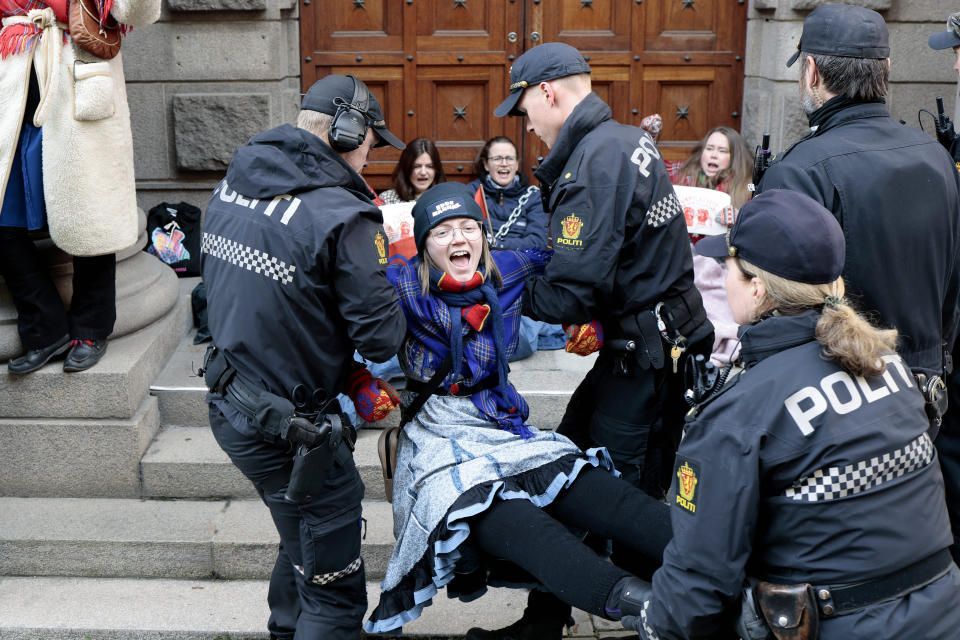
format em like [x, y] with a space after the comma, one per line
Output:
[713, 167]
[460, 259]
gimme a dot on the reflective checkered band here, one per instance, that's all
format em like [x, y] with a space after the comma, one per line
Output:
[651, 634]
[247, 257]
[834, 483]
[664, 211]
[327, 578]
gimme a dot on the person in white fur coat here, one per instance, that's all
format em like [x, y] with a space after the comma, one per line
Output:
[66, 164]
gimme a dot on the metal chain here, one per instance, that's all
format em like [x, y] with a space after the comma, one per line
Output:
[514, 216]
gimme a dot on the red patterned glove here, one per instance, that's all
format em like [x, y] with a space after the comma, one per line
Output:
[652, 124]
[583, 339]
[372, 397]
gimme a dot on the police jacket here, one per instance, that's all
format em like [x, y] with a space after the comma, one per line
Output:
[896, 194]
[529, 230]
[294, 261]
[798, 471]
[620, 244]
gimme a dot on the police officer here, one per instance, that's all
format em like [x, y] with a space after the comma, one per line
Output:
[622, 270]
[949, 39]
[894, 191]
[294, 260]
[812, 472]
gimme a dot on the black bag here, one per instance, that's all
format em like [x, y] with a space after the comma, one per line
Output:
[174, 236]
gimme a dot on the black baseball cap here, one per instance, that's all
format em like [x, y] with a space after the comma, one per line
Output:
[845, 31]
[321, 95]
[949, 38]
[442, 202]
[548, 61]
[786, 233]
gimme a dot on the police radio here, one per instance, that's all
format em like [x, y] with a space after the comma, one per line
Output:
[761, 161]
[349, 127]
[942, 126]
[703, 379]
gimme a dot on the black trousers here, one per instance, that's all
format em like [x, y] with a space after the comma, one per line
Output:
[539, 541]
[42, 318]
[948, 450]
[318, 587]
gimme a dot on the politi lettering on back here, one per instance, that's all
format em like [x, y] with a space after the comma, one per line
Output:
[844, 393]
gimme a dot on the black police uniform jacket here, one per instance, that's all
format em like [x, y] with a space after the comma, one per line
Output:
[294, 261]
[896, 194]
[798, 471]
[620, 242]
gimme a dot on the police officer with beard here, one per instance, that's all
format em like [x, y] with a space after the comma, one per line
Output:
[621, 276]
[294, 261]
[812, 472]
[893, 189]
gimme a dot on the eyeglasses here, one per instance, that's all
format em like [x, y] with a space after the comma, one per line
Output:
[503, 159]
[444, 235]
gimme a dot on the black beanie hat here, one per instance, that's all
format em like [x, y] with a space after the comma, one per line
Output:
[442, 202]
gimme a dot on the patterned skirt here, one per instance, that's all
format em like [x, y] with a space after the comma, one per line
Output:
[451, 465]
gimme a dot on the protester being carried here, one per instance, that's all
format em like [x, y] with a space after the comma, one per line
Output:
[473, 480]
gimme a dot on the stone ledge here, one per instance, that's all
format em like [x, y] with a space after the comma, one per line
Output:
[217, 5]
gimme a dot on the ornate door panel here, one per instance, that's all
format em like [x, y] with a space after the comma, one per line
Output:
[439, 67]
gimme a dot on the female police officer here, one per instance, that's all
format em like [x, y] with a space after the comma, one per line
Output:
[811, 472]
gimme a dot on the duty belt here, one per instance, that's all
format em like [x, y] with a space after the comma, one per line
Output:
[838, 600]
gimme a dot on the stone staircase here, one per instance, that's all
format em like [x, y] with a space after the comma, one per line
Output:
[142, 528]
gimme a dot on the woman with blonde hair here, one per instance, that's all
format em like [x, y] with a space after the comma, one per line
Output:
[811, 473]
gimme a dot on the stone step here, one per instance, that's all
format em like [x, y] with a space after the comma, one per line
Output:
[165, 609]
[83, 434]
[546, 379]
[105, 538]
[187, 462]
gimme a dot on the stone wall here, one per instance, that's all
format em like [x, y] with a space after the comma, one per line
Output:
[201, 81]
[770, 94]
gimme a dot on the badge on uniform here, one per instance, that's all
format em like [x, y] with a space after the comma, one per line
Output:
[570, 228]
[687, 473]
[380, 241]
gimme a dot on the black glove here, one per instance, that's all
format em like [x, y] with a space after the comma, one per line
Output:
[945, 133]
[302, 431]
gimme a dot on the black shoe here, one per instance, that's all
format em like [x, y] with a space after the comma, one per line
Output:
[84, 354]
[526, 628]
[36, 358]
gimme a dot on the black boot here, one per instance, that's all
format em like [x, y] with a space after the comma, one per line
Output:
[544, 618]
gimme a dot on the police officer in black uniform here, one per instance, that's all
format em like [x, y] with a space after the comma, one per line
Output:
[894, 191]
[948, 39]
[294, 261]
[621, 259]
[812, 472]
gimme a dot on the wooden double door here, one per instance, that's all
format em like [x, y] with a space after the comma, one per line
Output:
[440, 67]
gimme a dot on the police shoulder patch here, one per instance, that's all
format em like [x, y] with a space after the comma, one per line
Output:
[570, 227]
[687, 473]
[380, 242]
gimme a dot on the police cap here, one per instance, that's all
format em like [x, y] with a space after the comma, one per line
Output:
[442, 202]
[786, 233]
[324, 91]
[950, 37]
[545, 62]
[845, 31]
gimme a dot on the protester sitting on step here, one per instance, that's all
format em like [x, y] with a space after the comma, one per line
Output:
[473, 480]
[418, 169]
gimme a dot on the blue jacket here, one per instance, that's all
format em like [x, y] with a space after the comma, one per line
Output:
[294, 259]
[530, 229]
[798, 471]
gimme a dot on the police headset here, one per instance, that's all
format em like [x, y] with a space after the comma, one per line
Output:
[348, 131]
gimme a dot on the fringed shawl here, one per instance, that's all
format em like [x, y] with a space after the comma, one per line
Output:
[23, 37]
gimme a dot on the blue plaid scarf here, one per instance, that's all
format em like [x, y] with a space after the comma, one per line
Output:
[436, 327]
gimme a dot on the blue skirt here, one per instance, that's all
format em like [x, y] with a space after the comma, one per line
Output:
[23, 203]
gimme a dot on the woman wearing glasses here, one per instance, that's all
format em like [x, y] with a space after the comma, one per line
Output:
[516, 212]
[473, 480]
